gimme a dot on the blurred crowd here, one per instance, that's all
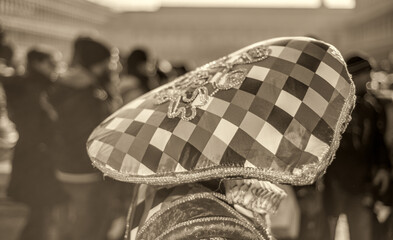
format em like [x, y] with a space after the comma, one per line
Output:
[53, 106]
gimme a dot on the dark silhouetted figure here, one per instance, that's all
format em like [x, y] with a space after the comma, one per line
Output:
[32, 179]
[82, 99]
[139, 76]
[361, 165]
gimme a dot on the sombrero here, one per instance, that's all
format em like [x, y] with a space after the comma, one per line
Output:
[274, 111]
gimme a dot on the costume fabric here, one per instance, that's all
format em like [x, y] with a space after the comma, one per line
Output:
[270, 113]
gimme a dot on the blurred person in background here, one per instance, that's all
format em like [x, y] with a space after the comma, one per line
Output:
[6, 56]
[82, 98]
[164, 72]
[381, 87]
[180, 69]
[313, 223]
[32, 179]
[138, 79]
[361, 170]
[8, 133]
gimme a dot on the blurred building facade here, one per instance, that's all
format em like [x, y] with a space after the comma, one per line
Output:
[203, 34]
[50, 22]
[198, 34]
[370, 28]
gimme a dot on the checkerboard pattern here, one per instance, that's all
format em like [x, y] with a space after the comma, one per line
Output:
[282, 119]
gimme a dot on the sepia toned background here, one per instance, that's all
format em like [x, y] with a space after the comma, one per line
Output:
[190, 33]
[196, 34]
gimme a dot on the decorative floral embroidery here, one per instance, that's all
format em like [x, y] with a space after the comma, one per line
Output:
[191, 91]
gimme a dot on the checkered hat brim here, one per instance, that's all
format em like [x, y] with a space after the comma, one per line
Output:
[279, 118]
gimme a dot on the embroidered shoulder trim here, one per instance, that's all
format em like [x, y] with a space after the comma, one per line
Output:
[255, 195]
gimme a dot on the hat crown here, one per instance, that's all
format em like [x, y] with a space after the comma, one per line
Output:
[271, 111]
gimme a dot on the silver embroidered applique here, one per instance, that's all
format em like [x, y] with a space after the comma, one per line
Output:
[191, 91]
